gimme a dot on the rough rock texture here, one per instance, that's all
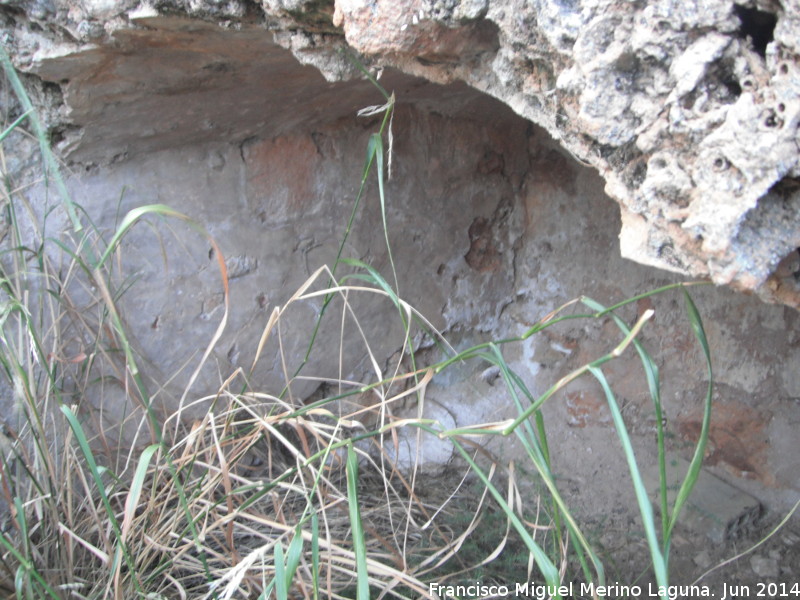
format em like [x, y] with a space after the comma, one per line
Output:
[194, 105]
[688, 109]
[483, 209]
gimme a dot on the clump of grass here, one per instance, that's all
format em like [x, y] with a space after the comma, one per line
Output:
[263, 495]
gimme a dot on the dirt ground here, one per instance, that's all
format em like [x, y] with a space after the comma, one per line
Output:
[696, 561]
[763, 563]
[593, 477]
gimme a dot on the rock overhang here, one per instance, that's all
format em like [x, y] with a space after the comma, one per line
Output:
[689, 112]
[174, 81]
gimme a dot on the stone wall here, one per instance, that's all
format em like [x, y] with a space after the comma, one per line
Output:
[204, 106]
[688, 110]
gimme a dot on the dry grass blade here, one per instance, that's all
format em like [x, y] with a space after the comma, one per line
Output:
[265, 490]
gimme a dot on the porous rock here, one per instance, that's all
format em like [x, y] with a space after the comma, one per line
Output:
[689, 110]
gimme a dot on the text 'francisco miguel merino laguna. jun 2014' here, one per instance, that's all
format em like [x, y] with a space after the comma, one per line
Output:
[531, 589]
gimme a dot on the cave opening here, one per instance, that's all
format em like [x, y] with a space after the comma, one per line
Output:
[492, 224]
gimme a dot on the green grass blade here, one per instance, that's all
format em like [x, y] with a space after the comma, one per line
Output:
[661, 290]
[356, 526]
[372, 276]
[281, 589]
[315, 554]
[370, 159]
[694, 466]
[23, 575]
[285, 567]
[543, 562]
[19, 583]
[534, 441]
[22, 522]
[645, 507]
[546, 566]
[379, 169]
[88, 455]
[267, 590]
[572, 376]
[366, 73]
[294, 554]
[654, 388]
[51, 165]
[14, 125]
[25, 566]
[133, 216]
[137, 485]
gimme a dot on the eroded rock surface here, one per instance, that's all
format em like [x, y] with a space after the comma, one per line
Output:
[689, 110]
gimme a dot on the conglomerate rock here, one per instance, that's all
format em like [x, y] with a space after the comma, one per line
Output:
[688, 109]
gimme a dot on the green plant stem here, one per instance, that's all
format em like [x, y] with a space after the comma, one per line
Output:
[49, 158]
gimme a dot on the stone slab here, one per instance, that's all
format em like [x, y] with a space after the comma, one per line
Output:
[715, 508]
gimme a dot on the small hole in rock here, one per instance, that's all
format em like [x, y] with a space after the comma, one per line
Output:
[758, 26]
[788, 269]
[638, 174]
[56, 136]
[772, 121]
[720, 163]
